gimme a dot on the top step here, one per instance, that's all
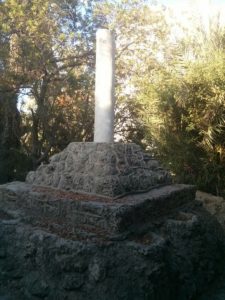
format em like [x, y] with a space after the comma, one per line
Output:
[108, 169]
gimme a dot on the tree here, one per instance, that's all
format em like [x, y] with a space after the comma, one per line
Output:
[184, 110]
[52, 43]
[9, 115]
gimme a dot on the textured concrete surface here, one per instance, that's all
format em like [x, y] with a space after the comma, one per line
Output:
[109, 169]
[216, 207]
[111, 215]
[165, 257]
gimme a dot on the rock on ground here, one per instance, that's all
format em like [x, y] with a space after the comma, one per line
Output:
[216, 206]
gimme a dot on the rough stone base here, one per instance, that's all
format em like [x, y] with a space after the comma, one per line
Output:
[173, 254]
[103, 214]
[109, 169]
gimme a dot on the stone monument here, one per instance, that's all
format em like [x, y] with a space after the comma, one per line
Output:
[102, 167]
[106, 169]
[103, 220]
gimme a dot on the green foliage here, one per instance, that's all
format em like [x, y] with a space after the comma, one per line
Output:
[50, 55]
[14, 165]
[187, 119]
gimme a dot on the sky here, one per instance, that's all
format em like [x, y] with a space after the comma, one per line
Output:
[187, 2]
[205, 9]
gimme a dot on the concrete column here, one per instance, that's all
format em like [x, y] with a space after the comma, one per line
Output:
[104, 86]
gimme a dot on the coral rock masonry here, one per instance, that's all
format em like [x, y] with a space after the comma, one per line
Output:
[62, 245]
[108, 169]
[103, 221]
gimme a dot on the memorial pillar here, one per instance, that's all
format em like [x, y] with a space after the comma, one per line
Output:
[104, 86]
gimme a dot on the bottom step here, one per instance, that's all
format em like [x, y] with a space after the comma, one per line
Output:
[114, 216]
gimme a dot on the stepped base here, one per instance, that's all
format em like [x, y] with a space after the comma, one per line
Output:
[73, 209]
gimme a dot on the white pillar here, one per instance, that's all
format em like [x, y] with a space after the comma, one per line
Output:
[104, 86]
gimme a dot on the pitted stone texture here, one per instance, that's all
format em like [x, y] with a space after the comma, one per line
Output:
[173, 257]
[108, 215]
[110, 169]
